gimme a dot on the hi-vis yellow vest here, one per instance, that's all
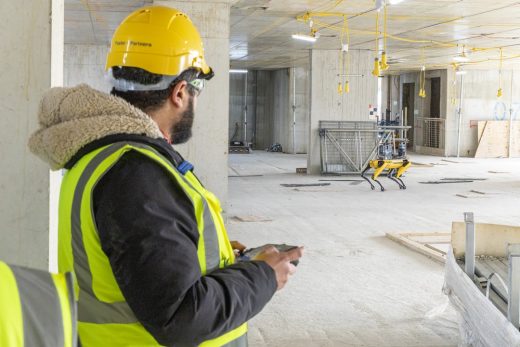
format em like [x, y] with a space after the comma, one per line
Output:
[104, 317]
[37, 308]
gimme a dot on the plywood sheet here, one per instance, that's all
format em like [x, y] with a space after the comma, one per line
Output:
[493, 139]
[491, 239]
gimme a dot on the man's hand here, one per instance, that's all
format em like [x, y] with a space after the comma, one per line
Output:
[238, 248]
[280, 262]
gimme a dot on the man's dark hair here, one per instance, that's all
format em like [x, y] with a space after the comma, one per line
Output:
[152, 99]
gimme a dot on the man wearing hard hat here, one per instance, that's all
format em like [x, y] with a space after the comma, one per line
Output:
[144, 238]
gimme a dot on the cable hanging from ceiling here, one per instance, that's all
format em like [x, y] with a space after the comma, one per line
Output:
[344, 59]
[381, 63]
[422, 76]
[384, 61]
[499, 91]
[377, 70]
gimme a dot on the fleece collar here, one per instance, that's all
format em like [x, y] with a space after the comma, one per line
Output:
[71, 118]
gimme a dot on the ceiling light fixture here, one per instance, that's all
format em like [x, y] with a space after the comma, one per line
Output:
[237, 71]
[462, 58]
[304, 37]
[394, 2]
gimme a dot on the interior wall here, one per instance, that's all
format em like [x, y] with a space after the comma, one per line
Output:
[264, 110]
[271, 98]
[282, 112]
[86, 64]
[391, 96]
[421, 105]
[328, 104]
[480, 102]
[237, 89]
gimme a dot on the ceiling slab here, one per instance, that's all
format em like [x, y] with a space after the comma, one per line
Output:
[261, 30]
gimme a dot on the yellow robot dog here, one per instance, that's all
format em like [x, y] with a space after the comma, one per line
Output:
[395, 167]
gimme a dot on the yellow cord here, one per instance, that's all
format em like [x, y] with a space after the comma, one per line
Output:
[499, 91]
[306, 17]
[385, 32]
[384, 61]
[377, 34]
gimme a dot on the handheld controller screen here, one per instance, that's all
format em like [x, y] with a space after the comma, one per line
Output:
[250, 253]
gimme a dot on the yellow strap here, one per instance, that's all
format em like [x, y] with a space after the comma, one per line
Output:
[11, 323]
[61, 288]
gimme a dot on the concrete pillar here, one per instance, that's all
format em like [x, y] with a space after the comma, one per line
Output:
[25, 27]
[208, 149]
[328, 104]
[300, 97]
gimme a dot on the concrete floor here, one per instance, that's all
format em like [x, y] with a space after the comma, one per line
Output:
[354, 287]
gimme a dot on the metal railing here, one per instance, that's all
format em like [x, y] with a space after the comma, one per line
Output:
[432, 131]
[347, 147]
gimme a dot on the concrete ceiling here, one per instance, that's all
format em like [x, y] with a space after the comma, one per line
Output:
[261, 29]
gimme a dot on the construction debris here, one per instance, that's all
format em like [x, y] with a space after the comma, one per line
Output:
[463, 179]
[416, 164]
[477, 192]
[250, 219]
[342, 180]
[443, 182]
[432, 245]
[245, 175]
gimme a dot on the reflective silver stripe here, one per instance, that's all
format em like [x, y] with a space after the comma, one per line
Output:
[240, 342]
[90, 309]
[211, 244]
[41, 309]
[69, 279]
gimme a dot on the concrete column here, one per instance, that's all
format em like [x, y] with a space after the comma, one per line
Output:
[208, 149]
[300, 92]
[25, 27]
[328, 104]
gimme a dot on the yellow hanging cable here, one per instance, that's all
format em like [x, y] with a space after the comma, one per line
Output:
[342, 63]
[422, 76]
[499, 91]
[342, 74]
[376, 72]
[347, 53]
[384, 63]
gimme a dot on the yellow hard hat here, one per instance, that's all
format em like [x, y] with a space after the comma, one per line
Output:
[160, 40]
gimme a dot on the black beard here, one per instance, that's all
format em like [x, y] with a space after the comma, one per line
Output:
[181, 132]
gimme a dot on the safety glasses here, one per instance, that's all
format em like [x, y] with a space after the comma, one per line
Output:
[198, 84]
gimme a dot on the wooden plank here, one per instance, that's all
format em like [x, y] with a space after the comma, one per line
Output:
[432, 239]
[430, 252]
[434, 247]
[493, 139]
[481, 128]
[491, 239]
[441, 234]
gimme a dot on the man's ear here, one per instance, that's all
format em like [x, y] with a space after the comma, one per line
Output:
[180, 95]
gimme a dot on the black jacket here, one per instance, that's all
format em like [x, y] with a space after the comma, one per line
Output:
[148, 230]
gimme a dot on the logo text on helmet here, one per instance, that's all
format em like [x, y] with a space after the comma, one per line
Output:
[133, 43]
